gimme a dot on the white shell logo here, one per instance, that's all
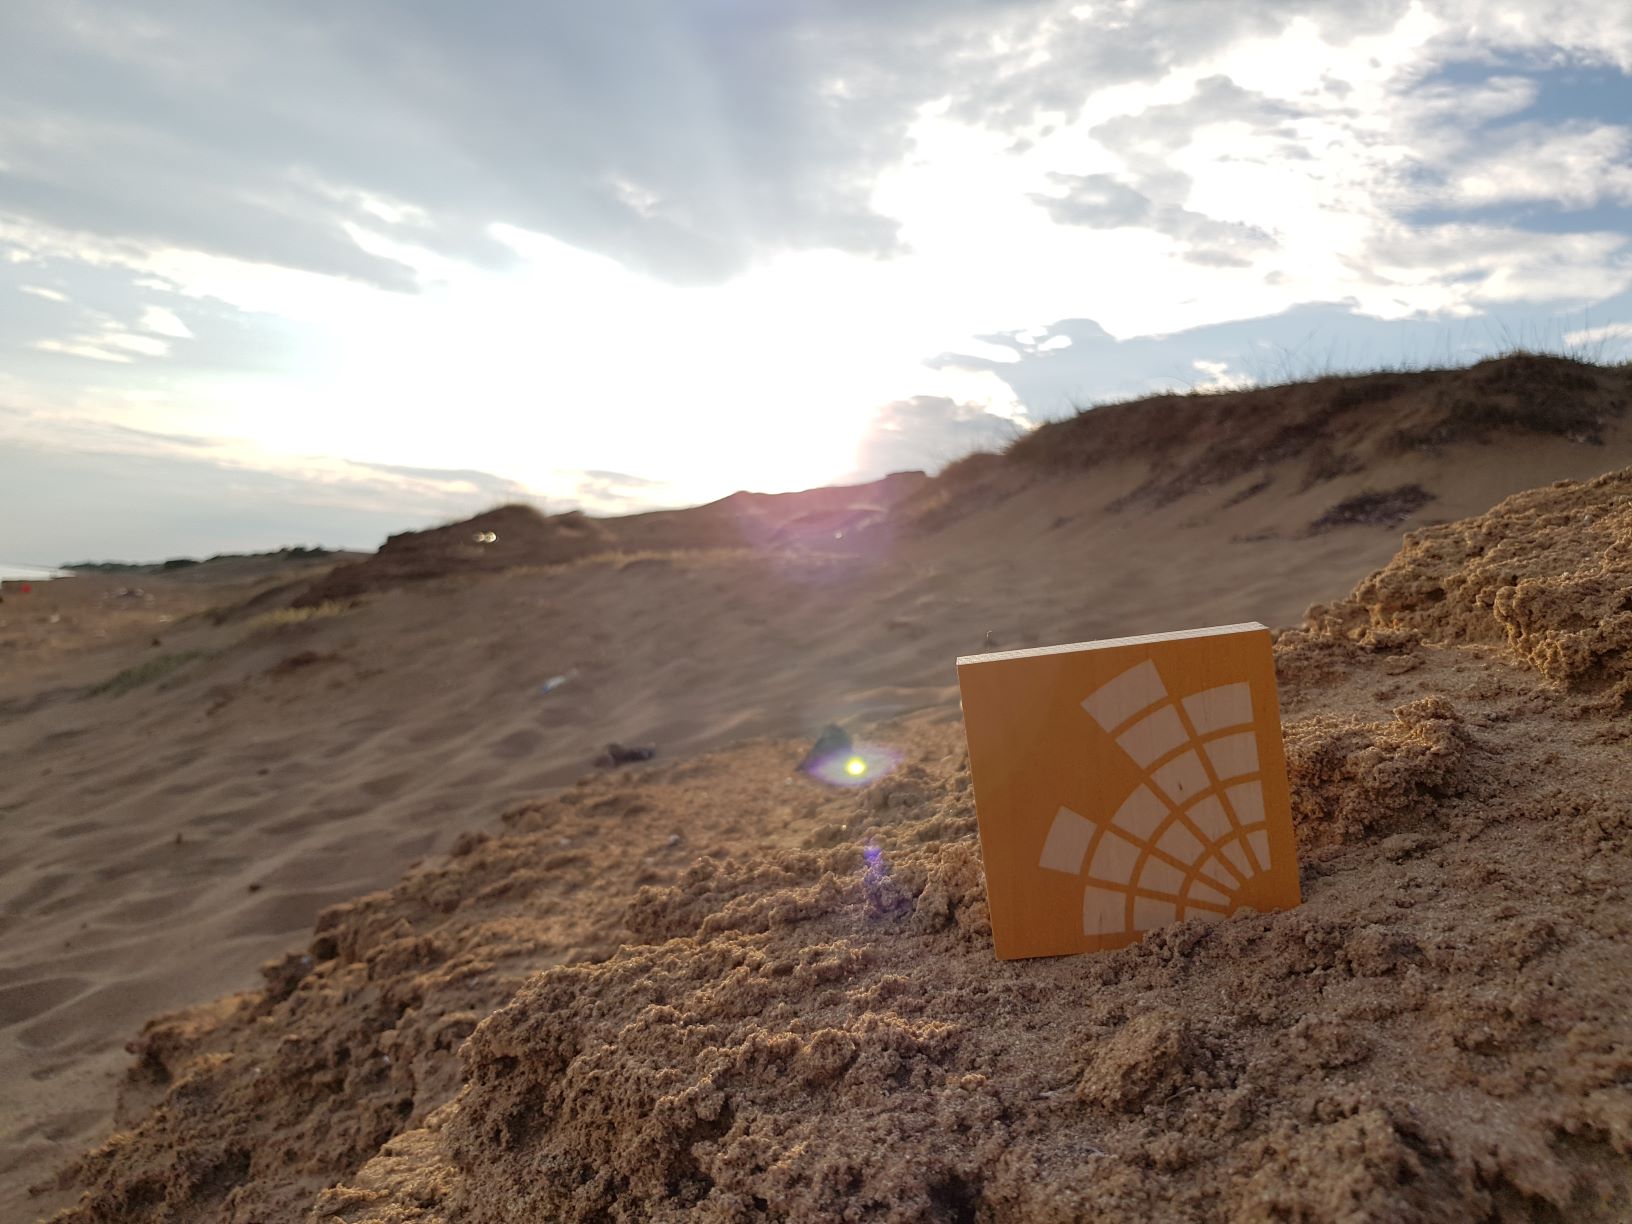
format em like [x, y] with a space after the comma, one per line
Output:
[1186, 841]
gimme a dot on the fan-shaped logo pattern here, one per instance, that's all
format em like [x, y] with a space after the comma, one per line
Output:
[1187, 839]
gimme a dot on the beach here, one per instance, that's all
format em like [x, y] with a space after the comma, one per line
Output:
[317, 905]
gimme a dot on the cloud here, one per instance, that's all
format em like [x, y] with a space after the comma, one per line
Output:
[687, 141]
[162, 322]
[454, 481]
[72, 489]
[1609, 342]
[684, 140]
[1524, 141]
[622, 479]
[75, 506]
[1306, 341]
[50, 301]
[78, 488]
[1147, 142]
[44, 431]
[1601, 35]
[1499, 265]
[1149, 192]
[1573, 166]
[1045, 67]
[604, 492]
[1098, 201]
[927, 432]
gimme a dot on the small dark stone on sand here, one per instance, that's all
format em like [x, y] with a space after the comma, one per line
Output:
[618, 754]
[834, 741]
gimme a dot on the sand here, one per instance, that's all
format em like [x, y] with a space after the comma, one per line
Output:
[742, 1018]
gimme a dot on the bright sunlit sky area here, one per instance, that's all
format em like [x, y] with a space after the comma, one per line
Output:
[276, 274]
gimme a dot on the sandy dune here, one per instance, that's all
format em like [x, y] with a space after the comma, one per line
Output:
[160, 843]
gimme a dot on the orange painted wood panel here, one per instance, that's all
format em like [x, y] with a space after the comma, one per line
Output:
[1127, 784]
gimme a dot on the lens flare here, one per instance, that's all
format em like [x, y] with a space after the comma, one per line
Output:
[859, 765]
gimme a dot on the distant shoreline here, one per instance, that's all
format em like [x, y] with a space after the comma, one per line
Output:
[30, 573]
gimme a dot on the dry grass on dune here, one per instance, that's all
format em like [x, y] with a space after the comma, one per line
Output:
[1334, 425]
[688, 993]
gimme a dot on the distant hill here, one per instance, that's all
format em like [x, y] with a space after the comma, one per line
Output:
[181, 563]
[517, 535]
[1380, 450]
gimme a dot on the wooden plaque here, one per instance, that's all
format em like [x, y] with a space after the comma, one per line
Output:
[1127, 784]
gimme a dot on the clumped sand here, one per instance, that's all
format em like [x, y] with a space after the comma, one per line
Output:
[716, 989]
[1476, 582]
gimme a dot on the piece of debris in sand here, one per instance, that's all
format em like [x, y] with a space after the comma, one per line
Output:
[618, 754]
[832, 744]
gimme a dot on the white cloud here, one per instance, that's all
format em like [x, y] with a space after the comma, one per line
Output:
[1601, 33]
[927, 432]
[1217, 376]
[1574, 169]
[1459, 268]
[162, 322]
[1609, 342]
[81, 348]
[146, 346]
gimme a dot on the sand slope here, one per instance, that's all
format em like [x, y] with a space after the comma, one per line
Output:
[1443, 1031]
[157, 844]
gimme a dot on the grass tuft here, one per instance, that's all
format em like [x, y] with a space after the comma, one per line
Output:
[280, 618]
[145, 672]
[680, 558]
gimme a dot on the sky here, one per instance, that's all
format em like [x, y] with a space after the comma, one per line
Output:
[312, 273]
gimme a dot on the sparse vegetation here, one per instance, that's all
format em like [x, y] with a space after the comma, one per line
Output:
[1368, 390]
[299, 662]
[623, 559]
[954, 492]
[147, 672]
[972, 467]
[280, 618]
[1375, 509]
[1251, 491]
[1526, 392]
[1331, 424]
